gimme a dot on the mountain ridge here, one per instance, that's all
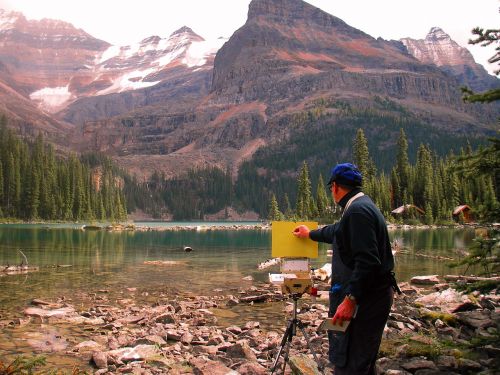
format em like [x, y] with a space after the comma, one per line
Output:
[167, 104]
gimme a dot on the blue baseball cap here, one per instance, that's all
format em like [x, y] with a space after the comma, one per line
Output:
[346, 174]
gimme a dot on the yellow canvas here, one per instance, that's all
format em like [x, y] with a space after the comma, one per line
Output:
[286, 245]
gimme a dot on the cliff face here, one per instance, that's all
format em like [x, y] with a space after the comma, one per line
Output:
[290, 49]
[175, 103]
[439, 49]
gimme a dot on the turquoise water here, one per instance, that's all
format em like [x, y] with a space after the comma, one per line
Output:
[114, 261]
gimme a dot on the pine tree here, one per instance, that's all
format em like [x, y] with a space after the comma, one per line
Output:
[362, 157]
[274, 211]
[1, 186]
[321, 198]
[289, 215]
[305, 201]
[33, 194]
[402, 166]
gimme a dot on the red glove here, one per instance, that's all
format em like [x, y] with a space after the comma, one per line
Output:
[345, 311]
[301, 231]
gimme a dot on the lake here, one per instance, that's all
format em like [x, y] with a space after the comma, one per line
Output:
[114, 261]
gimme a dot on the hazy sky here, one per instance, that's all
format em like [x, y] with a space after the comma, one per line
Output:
[124, 22]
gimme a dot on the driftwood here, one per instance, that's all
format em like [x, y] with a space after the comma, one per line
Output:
[470, 279]
[14, 270]
[20, 269]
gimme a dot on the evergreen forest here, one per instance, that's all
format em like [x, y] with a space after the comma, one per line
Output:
[38, 185]
[402, 166]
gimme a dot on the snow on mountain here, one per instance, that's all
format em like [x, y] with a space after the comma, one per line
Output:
[8, 19]
[51, 98]
[133, 64]
[61, 64]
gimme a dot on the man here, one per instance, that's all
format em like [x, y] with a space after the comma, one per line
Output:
[362, 277]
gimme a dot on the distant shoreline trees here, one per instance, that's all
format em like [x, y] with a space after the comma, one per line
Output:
[36, 185]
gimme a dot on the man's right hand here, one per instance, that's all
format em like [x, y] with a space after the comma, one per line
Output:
[301, 231]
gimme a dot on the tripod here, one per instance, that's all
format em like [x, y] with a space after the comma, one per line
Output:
[291, 330]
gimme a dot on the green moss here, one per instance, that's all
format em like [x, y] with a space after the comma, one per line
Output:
[484, 286]
[432, 316]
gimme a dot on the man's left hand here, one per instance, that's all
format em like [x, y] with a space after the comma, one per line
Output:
[345, 311]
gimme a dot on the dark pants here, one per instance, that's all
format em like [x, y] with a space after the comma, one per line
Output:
[362, 339]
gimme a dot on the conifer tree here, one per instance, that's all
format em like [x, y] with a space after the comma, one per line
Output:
[402, 166]
[289, 215]
[305, 201]
[1, 185]
[362, 157]
[274, 211]
[321, 197]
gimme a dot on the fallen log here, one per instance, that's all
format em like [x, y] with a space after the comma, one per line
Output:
[470, 279]
[14, 270]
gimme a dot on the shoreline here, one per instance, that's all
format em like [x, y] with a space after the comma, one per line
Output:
[199, 226]
[432, 327]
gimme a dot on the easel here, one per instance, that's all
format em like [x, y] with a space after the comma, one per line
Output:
[290, 332]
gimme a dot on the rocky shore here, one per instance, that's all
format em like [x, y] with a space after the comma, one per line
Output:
[432, 329]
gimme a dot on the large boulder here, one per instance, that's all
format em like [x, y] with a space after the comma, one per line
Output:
[448, 300]
[207, 367]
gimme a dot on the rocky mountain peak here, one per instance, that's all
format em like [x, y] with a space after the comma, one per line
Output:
[185, 30]
[437, 34]
[9, 19]
[287, 12]
[440, 49]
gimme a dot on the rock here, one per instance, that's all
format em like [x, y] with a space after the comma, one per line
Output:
[173, 335]
[248, 278]
[234, 330]
[47, 341]
[251, 325]
[100, 359]
[397, 372]
[467, 365]
[257, 298]
[131, 319]
[205, 349]
[241, 350]
[448, 300]
[150, 340]
[425, 280]
[138, 353]
[187, 338]
[88, 346]
[476, 319]
[42, 313]
[165, 318]
[418, 364]
[446, 362]
[207, 367]
[232, 301]
[303, 365]
[252, 368]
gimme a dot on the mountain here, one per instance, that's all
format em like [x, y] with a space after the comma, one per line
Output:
[439, 49]
[171, 104]
[151, 72]
[64, 69]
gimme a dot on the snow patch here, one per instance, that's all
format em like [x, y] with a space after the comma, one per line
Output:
[52, 98]
[129, 81]
[7, 20]
[197, 53]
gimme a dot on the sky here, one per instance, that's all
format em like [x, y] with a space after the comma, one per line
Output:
[124, 22]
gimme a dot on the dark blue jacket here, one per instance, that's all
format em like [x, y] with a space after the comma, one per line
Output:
[362, 240]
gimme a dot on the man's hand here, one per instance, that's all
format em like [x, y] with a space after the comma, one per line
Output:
[301, 231]
[345, 311]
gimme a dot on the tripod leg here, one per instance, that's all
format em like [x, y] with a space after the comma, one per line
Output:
[287, 337]
[309, 344]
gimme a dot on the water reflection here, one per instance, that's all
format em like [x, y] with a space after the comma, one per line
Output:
[114, 262]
